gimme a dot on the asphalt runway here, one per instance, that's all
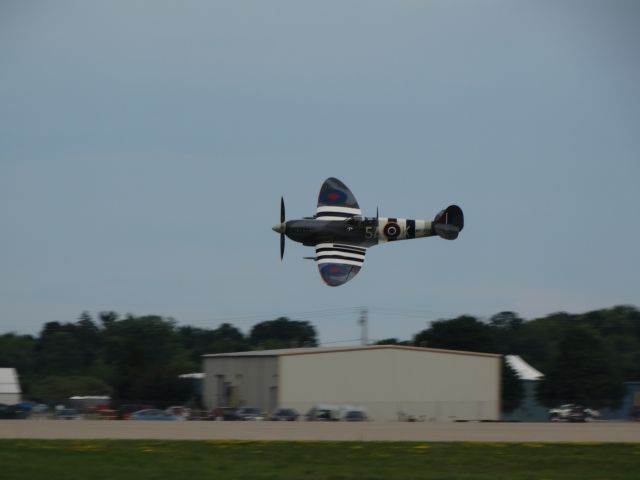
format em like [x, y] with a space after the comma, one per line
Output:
[322, 431]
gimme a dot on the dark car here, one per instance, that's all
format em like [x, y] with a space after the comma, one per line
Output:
[224, 413]
[250, 413]
[12, 412]
[68, 414]
[284, 415]
[355, 416]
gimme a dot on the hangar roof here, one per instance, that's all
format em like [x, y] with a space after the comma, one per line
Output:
[315, 350]
[522, 368]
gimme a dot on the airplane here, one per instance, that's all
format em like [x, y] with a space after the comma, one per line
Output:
[341, 234]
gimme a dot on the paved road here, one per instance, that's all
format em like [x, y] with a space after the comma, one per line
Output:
[429, 432]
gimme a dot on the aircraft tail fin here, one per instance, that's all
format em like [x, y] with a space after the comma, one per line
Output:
[449, 222]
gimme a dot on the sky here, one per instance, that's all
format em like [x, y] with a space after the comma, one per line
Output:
[144, 147]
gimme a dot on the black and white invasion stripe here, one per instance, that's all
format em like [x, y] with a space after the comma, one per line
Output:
[336, 213]
[339, 253]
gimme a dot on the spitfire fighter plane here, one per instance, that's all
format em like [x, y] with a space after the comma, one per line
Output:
[341, 235]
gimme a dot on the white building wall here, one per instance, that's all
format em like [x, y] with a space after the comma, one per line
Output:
[436, 386]
[10, 392]
[237, 381]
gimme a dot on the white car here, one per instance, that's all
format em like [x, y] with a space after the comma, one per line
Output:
[570, 412]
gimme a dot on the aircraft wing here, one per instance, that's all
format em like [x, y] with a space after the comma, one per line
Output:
[336, 202]
[339, 263]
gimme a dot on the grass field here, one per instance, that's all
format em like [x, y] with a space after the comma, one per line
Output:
[195, 460]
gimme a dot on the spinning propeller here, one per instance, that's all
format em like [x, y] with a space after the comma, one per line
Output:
[281, 227]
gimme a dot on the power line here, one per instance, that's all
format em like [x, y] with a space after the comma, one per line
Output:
[340, 341]
[363, 322]
[318, 313]
[330, 313]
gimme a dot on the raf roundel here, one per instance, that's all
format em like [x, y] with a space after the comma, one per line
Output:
[391, 230]
[333, 197]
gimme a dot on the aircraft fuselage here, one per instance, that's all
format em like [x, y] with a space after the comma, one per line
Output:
[362, 231]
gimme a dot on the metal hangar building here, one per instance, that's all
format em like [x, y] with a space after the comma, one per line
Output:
[10, 392]
[390, 382]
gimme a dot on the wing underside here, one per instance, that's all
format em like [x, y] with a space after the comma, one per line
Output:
[339, 263]
[336, 202]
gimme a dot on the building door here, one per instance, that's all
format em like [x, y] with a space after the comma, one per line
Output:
[220, 391]
[273, 398]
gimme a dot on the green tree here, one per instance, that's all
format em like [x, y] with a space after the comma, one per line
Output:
[505, 328]
[60, 387]
[511, 388]
[620, 329]
[201, 341]
[283, 333]
[88, 335]
[195, 340]
[17, 351]
[147, 358]
[58, 350]
[462, 333]
[108, 318]
[227, 338]
[584, 371]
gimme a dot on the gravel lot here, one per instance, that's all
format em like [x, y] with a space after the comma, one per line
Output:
[392, 431]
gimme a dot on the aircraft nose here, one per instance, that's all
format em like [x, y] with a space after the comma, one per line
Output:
[279, 228]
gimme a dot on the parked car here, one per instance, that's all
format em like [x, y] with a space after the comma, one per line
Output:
[324, 412]
[67, 414]
[40, 408]
[249, 413]
[224, 413]
[125, 410]
[355, 416]
[12, 412]
[152, 414]
[284, 415]
[570, 412]
[183, 413]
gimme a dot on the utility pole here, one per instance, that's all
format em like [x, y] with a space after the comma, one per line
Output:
[363, 322]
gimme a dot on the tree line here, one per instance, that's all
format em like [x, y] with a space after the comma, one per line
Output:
[132, 359]
[586, 358]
